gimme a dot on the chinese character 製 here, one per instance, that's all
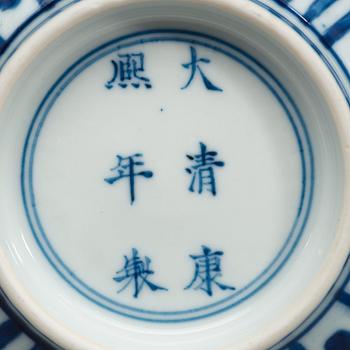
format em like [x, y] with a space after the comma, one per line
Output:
[207, 271]
[135, 273]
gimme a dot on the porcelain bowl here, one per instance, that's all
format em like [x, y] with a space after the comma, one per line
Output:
[175, 175]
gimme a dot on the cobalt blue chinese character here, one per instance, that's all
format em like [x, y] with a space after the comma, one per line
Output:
[202, 170]
[127, 70]
[126, 168]
[135, 273]
[194, 66]
[207, 271]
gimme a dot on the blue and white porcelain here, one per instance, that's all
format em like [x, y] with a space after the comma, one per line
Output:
[175, 174]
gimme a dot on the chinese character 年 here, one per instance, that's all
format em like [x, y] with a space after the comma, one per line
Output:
[126, 168]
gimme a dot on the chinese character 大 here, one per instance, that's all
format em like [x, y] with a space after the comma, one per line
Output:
[194, 66]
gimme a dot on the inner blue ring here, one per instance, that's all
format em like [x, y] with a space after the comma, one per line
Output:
[69, 276]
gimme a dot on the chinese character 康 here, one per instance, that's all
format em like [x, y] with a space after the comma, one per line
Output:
[126, 168]
[127, 70]
[202, 170]
[194, 66]
[207, 271]
[136, 273]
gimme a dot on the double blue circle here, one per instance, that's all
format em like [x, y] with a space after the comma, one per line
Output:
[271, 83]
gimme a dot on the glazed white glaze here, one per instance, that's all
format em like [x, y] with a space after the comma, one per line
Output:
[262, 165]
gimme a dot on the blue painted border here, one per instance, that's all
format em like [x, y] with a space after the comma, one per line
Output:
[41, 15]
[306, 24]
[42, 341]
[7, 43]
[333, 295]
[82, 64]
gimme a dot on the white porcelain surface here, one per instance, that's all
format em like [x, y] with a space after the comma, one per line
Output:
[256, 219]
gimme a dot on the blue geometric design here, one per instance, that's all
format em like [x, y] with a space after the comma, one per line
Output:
[8, 4]
[337, 30]
[44, 3]
[296, 346]
[334, 32]
[338, 341]
[317, 8]
[344, 298]
[38, 347]
[9, 331]
[2, 44]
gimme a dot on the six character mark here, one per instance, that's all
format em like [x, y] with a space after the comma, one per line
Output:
[126, 168]
[136, 273]
[202, 170]
[127, 70]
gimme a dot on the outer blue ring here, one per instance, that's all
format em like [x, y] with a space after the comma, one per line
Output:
[58, 87]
